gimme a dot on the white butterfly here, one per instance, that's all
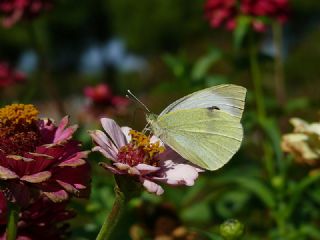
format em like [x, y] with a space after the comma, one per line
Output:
[203, 127]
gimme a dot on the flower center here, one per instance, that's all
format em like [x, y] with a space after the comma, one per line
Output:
[140, 150]
[18, 128]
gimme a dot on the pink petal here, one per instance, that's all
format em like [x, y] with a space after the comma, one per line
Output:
[18, 158]
[152, 187]
[68, 187]
[114, 131]
[179, 174]
[37, 177]
[126, 131]
[101, 139]
[146, 169]
[58, 196]
[122, 166]
[125, 167]
[175, 159]
[107, 153]
[6, 173]
[62, 133]
[111, 169]
[76, 160]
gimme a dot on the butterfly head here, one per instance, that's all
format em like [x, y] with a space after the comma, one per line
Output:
[151, 118]
[152, 123]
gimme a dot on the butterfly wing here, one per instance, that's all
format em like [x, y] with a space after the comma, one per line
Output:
[227, 97]
[205, 137]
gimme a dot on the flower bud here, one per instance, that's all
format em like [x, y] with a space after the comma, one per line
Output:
[232, 229]
[277, 182]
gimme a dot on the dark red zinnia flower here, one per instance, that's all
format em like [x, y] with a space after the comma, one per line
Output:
[3, 209]
[225, 12]
[8, 76]
[39, 158]
[14, 10]
[42, 218]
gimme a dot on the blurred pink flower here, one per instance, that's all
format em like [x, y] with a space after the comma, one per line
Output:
[221, 13]
[39, 158]
[14, 10]
[41, 218]
[101, 94]
[225, 12]
[272, 9]
[8, 76]
[143, 157]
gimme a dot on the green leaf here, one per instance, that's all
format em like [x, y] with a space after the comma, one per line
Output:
[197, 213]
[176, 64]
[310, 231]
[202, 66]
[243, 26]
[297, 104]
[254, 185]
[272, 130]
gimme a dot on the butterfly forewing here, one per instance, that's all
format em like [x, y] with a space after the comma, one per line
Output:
[207, 137]
[227, 97]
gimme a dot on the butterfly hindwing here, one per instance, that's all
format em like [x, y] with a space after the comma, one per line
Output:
[207, 137]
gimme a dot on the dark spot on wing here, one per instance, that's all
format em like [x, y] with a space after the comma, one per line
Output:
[213, 108]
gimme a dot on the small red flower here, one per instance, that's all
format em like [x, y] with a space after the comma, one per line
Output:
[14, 10]
[8, 76]
[101, 94]
[225, 12]
[221, 13]
[273, 9]
[39, 158]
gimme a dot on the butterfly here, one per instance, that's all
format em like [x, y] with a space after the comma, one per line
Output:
[203, 127]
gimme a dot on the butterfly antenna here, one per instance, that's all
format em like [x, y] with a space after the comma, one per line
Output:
[146, 128]
[136, 99]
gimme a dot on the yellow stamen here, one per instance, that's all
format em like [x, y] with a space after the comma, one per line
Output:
[18, 114]
[141, 140]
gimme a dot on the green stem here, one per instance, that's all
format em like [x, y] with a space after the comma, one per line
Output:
[113, 218]
[12, 221]
[257, 79]
[278, 64]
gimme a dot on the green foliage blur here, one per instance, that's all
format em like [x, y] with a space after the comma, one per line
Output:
[178, 53]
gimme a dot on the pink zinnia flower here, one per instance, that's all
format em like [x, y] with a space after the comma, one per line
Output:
[42, 218]
[143, 157]
[39, 158]
[14, 10]
[8, 76]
